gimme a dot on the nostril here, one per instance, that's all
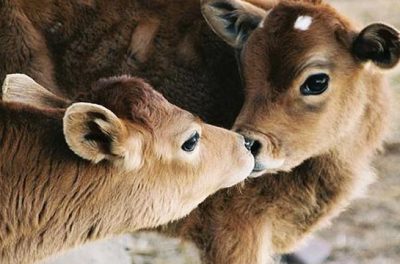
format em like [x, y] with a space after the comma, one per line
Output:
[248, 143]
[255, 148]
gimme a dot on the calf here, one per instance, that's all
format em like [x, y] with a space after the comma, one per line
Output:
[317, 108]
[319, 153]
[154, 164]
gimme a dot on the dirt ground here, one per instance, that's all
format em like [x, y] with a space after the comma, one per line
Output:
[367, 233]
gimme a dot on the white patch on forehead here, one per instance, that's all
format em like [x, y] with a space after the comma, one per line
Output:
[303, 23]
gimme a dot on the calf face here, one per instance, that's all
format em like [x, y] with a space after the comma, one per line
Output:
[171, 141]
[125, 122]
[305, 74]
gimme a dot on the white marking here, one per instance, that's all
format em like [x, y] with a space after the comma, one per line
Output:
[261, 25]
[303, 23]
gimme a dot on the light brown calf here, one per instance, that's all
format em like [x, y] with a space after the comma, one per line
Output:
[154, 163]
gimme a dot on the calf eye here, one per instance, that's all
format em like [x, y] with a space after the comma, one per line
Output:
[191, 143]
[315, 84]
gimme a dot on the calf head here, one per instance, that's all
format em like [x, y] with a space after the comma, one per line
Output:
[169, 140]
[305, 73]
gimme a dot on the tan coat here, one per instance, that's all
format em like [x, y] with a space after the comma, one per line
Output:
[320, 146]
[53, 195]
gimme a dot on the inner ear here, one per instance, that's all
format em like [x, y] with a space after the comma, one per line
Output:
[379, 43]
[94, 132]
[232, 20]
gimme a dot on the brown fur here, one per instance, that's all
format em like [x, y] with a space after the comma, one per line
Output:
[52, 200]
[87, 35]
[142, 40]
[325, 142]
[328, 142]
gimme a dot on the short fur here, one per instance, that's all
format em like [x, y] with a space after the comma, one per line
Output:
[52, 199]
[195, 70]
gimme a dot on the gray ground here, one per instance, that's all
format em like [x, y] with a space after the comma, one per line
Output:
[368, 232]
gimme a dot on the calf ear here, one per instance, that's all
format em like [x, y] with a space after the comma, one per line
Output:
[95, 133]
[23, 89]
[232, 20]
[379, 43]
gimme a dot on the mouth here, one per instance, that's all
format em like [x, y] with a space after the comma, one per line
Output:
[260, 168]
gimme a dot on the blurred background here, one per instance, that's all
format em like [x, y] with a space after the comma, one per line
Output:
[368, 232]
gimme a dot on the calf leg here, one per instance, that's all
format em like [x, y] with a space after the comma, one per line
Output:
[22, 47]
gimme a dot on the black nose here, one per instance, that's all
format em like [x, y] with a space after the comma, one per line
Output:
[248, 143]
[253, 145]
[256, 148]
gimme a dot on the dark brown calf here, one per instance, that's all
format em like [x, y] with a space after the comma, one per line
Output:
[317, 108]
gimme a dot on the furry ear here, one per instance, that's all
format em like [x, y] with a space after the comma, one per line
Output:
[95, 133]
[232, 20]
[23, 89]
[380, 44]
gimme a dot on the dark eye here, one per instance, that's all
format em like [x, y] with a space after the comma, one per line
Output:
[315, 84]
[191, 143]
